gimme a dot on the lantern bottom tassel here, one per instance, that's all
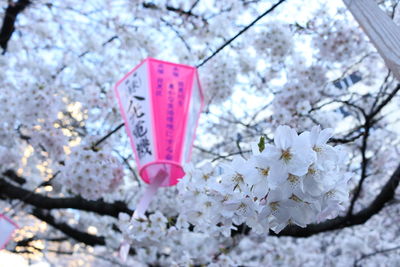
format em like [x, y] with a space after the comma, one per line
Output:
[142, 206]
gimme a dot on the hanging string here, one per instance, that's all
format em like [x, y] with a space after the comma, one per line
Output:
[240, 33]
[142, 206]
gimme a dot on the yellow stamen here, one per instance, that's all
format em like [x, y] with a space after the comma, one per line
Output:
[206, 176]
[264, 172]
[295, 198]
[274, 205]
[238, 178]
[286, 155]
[317, 149]
[293, 178]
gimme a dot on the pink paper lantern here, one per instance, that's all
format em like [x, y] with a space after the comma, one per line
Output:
[7, 228]
[160, 103]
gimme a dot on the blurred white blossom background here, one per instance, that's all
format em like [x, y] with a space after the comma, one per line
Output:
[293, 165]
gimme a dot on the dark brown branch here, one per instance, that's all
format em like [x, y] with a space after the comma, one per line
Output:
[194, 5]
[79, 236]
[384, 102]
[171, 8]
[10, 174]
[27, 242]
[346, 140]
[364, 165]
[10, 17]
[369, 122]
[8, 190]
[382, 90]
[30, 251]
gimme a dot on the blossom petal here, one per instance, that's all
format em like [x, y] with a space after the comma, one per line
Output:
[284, 137]
[277, 175]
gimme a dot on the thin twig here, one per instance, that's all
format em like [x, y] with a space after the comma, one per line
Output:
[375, 253]
[177, 34]
[125, 160]
[193, 6]
[107, 136]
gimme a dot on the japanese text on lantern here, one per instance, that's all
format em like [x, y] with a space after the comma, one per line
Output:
[170, 116]
[170, 85]
[136, 114]
[181, 86]
[170, 122]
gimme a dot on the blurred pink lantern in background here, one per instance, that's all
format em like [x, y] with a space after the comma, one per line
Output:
[7, 228]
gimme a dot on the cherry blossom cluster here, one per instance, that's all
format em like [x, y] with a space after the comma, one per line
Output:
[8, 158]
[159, 235]
[219, 86]
[48, 139]
[9, 151]
[297, 180]
[306, 86]
[338, 41]
[144, 231]
[39, 103]
[8, 106]
[276, 41]
[91, 174]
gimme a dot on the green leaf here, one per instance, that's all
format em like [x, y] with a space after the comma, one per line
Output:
[261, 144]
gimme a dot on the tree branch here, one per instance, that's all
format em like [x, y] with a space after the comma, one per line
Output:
[10, 174]
[369, 121]
[79, 236]
[8, 27]
[171, 8]
[384, 102]
[364, 165]
[8, 190]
